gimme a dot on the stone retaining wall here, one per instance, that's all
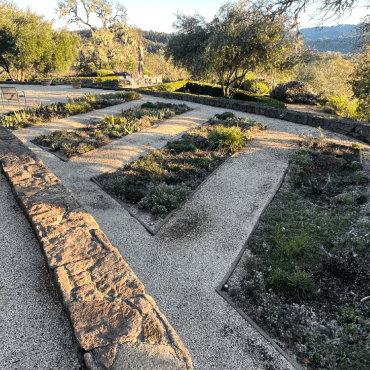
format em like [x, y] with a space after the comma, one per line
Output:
[356, 129]
[116, 325]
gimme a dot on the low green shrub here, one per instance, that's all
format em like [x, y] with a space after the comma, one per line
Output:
[294, 92]
[82, 107]
[342, 106]
[168, 87]
[297, 284]
[128, 95]
[227, 138]
[179, 146]
[164, 198]
[255, 86]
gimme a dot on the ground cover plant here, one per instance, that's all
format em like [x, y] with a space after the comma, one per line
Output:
[158, 182]
[44, 113]
[94, 135]
[307, 271]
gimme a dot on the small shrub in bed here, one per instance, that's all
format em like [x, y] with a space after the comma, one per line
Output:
[294, 92]
[164, 198]
[165, 177]
[88, 102]
[79, 141]
[227, 138]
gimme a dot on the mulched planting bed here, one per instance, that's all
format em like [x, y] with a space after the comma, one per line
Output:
[305, 275]
[45, 113]
[156, 184]
[68, 143]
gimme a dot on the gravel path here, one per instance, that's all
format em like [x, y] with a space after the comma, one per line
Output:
[181, 272]
[35, 332]
[46, 95]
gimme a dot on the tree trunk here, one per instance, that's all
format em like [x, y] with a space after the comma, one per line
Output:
[226, 91]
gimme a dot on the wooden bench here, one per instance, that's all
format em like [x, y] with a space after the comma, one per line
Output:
[11, 94]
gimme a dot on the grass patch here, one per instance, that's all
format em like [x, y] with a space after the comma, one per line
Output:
[43, 113]
[159, 181]
[72, 142]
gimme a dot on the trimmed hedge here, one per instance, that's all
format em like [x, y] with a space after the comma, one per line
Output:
[215, 91]
[98, 73]
[169, 87]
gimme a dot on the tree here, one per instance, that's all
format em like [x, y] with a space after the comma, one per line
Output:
[239, 39]
[325, 9]
[157, 64]
[360, 82]
[28, 43]
[64, 50]
[108, 44]
[328, 74]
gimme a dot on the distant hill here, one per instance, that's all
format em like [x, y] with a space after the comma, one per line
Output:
[332, 32]
[339, 38]
[154, 41]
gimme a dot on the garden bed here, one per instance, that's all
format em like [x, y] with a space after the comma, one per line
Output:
[69, 143]
[305, 271]
[44, 113]
[155, 185]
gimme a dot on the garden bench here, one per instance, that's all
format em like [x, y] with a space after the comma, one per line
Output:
[11, 94]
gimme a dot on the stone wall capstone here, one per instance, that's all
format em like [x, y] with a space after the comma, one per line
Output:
[116, 324]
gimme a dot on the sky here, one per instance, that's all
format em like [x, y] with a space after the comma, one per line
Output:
[158, 15]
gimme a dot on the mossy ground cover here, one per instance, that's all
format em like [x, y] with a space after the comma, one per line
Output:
[68, 143]
[44, 113]
[158, 182]
[309, 260]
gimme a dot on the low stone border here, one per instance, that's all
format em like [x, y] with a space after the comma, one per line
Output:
[116, 325]
[356, 129]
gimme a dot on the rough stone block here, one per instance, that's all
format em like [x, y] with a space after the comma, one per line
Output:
[302, 118]
[140, 356]
[243, 107]
[98, 324]
[291, 117]
[71, 246]
[236, 106]
[106, 355]
[153, 330]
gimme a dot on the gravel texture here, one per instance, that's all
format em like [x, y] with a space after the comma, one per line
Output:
[35, 332]
[182, 270]
[46, 95]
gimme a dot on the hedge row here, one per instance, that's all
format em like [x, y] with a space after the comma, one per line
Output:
[215, 91]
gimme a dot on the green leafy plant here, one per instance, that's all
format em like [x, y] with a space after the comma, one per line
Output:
[227, 138]
[164, 198]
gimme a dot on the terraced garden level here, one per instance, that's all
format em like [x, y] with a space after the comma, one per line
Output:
[45, 113]
[73, 142]
[156, 184]
[306, 276]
